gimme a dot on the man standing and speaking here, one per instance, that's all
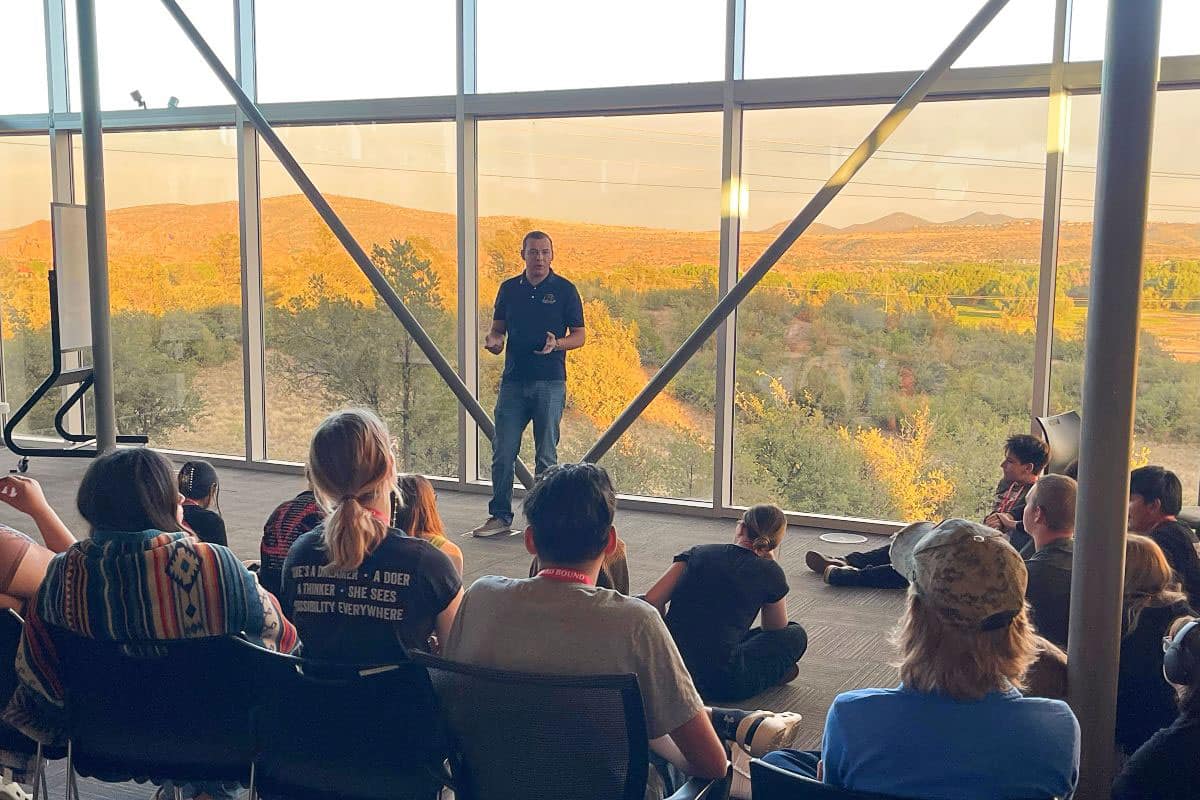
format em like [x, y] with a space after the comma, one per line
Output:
[541, 314]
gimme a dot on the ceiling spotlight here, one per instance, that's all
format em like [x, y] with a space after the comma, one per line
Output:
[173, 102]
[137, 98]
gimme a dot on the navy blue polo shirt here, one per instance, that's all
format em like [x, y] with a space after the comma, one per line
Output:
[530, 311]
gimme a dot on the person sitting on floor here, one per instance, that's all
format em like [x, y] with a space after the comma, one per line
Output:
[1166, 767]
[288, 522]
[1024, 458]
[1155, 498]
[146, 579]
[560, 622]
[1049, 517]
[1152, 601]
[200, 489]
[614, 572]
[714, 592]
[414, 511]
[965, 644]
[359, 590]
[23, 561]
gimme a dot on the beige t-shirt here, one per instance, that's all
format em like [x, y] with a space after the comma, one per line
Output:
[541, 625]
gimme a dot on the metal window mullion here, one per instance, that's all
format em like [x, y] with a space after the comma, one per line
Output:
[254, 382]
[730, 236]
[1057, 122]
[467, 225]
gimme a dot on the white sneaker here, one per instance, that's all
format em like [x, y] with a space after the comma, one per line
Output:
[493, 527]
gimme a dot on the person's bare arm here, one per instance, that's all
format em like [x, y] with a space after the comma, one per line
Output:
[445, 620]
[494, 342]
[774, 615]
[702, 752]
[660, 593]
[572, 340]
[25, 495]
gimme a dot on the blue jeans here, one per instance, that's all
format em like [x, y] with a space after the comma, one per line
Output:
[518, 404]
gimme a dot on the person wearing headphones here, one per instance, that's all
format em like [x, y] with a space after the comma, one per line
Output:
[1167, 766]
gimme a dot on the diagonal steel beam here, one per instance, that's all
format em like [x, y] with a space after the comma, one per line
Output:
[339, 229]
[853, 163]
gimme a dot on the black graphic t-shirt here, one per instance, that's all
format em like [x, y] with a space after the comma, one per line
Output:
[716, 601]
[529, 312]
[362, 615]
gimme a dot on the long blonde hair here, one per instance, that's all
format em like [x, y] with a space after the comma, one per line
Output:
[936, 656]
[1149, 580]
[349, 463]
[764, 526]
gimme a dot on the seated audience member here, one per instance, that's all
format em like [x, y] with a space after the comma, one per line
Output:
[290, 519]
[200, 489]
[957, 726]
[1167, 767]
[614, 572]
[23, 561]
[1049, 518]
[1155, 497]
[1145, 701]
[415, 512]
[1047, 675]
[1072, 470]
[714, 592]
[359, 590]
[1024, 458]
[135, 588]
[560, 622]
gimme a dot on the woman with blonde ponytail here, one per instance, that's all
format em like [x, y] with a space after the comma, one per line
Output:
[359, 589]
[710, 597]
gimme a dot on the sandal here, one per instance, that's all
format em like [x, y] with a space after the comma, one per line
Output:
[774, 731]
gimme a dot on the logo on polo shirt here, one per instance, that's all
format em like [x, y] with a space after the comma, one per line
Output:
[548, 298]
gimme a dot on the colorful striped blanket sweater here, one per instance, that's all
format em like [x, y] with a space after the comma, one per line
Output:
[135, 586]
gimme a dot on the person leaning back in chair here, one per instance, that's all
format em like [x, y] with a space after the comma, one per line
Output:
[541, 314]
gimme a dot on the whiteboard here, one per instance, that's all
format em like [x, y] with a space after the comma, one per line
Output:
[68, 224]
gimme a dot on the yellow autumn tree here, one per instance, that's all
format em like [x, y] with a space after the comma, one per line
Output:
[902, 464]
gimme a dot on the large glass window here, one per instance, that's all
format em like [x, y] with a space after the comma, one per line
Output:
[331, 341]
[883, 361]
[143, 51]
[1180, 28]
[549, 44]
[23, 57]
[786, 38]
[175, 283]
[25, 260]
[316, 50]
[633, 207]
[1167, 420]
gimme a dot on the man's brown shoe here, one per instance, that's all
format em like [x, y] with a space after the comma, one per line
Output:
[819, 563]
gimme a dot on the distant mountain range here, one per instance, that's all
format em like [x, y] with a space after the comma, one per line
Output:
[899, 222]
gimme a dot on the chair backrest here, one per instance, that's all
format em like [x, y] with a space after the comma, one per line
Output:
[1061, 433]
[517, 735]
[772, 783]
[171, 709]
[12, 739]
[342, 731]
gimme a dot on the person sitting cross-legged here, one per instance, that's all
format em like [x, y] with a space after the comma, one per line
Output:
[560, 622]
[957, 726]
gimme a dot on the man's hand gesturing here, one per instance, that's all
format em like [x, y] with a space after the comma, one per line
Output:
[494, 343]
[549, 346]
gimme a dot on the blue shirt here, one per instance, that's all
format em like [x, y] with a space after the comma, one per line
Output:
[529, 312]
[912, 744]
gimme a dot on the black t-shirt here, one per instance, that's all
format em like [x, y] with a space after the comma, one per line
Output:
[528, 313]
[1178, 545]
[1167, 767]
[1145, 701]
[207, 525]
[363, 615]
[715, 603]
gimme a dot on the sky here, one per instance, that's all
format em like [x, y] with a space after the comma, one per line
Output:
[946, 161]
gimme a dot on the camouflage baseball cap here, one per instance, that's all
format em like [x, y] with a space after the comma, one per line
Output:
[967, 571]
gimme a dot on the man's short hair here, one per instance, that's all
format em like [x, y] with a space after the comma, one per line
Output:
[1156, 483]
[536, 235]
[1029, 450]
[1055, 496]
[571, 510]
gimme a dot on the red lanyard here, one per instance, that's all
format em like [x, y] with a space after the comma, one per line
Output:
[187, 501]
[1010, 498]
[566, 575]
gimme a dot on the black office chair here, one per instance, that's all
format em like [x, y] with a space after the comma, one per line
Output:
[11, 739]
[177, 710]
[342, 731]
[516, 736]
[1061, 433]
